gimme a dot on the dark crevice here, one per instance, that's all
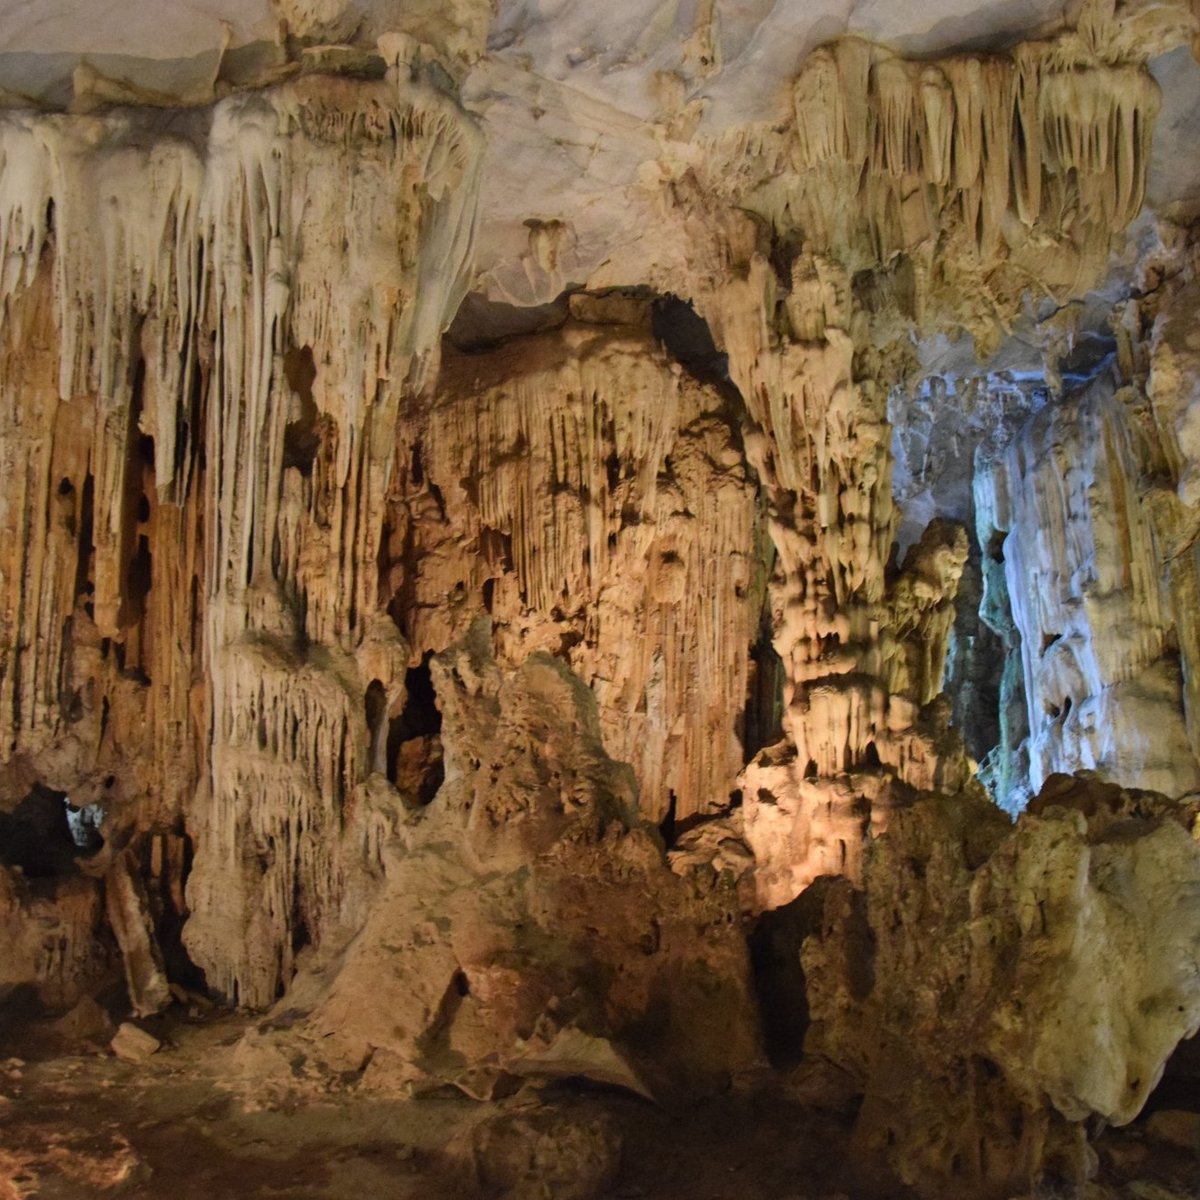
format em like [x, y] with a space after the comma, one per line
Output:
[375, 703]
[139, 481]
[165, 877]
[85, 548]
[414, 744]
[138, 580]
[685, 336]
[1179, 1087]
[763, 721]
[36, 838]
[482, 324]
[300, 934]
[302, 437]
[667, 825]
[779, 975]
[971, 678]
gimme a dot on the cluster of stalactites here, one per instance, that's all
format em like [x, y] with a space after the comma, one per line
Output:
[248, 290]
[203, 223]
[991, 139]
[287, 754]
[598, 499]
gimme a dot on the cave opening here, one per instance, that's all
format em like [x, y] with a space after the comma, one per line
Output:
[762, 721]
[414, 745]
[686, 337]
[44, 834]
[953, 429]
[302, 434]
[775, 942]
[164, 865]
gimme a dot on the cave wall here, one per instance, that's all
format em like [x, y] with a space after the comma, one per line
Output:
[197, 514]
[473, 701]
[1091, 519]
[594, 500]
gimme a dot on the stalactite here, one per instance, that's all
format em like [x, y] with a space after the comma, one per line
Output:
[980, 137]
[153, 290]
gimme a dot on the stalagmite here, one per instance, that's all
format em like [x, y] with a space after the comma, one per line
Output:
[128, 912]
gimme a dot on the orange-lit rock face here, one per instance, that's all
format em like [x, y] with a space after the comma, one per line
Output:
[594, 501]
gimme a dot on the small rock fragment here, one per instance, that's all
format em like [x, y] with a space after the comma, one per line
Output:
[134, 1044]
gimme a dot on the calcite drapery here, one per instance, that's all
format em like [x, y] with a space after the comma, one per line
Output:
[593, 499]
[1083, 560]
[953, 217]
[1092, 519]
[203, 497]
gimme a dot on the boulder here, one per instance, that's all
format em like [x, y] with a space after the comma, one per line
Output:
[134, 1044]
[538, 1153]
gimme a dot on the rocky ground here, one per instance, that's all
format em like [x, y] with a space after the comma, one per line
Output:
[81, 1122]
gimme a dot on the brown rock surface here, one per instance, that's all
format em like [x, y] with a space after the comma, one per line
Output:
[484, 956]
[991, 985]
[541, 1154]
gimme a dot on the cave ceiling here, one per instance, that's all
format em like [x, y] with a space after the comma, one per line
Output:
[586, 108]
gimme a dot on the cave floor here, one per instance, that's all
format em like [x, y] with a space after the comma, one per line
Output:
[89, 1124]
[83, 1125]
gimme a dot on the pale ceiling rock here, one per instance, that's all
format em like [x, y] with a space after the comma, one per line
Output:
[172, 50]
[635, 88]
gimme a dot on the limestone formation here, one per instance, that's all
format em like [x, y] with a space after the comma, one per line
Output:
[519, 520]
[991, 985]
[484, 960]
[594, 500]
[51, 937]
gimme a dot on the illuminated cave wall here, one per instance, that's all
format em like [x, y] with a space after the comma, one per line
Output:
[536, 663]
